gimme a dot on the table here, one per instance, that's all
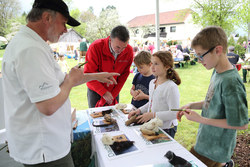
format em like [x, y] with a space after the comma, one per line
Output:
[146, 154]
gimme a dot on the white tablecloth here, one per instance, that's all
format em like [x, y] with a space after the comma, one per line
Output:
[147, 155]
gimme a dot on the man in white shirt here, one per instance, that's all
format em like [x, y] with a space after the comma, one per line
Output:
[36, 104]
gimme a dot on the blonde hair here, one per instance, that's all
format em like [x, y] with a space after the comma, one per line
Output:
[143, 57]
[166, 58]
[210, 37]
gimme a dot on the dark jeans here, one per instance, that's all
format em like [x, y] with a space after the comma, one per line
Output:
[171, 131]
[94, 97]
[66, 161]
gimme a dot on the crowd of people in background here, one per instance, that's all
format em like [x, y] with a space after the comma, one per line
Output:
[180, 52]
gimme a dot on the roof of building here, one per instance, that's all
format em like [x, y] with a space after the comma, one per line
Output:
[170, 17]
[70, 36]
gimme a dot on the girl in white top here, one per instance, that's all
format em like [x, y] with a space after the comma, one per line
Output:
[163, 93]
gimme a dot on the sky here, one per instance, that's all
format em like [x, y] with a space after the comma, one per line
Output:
[127, 9]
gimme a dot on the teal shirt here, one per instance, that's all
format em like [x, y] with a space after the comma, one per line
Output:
[225, 99]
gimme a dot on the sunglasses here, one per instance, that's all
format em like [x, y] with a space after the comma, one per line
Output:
[201, 57]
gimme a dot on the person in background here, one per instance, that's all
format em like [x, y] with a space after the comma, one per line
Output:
[63, 63]
[76, 54]
[232, 57]
[163, 93]
[224, 109]
[135, 51]
[111, 54]
[178, 56]
[186, 50]
[36, 91]
[151, 48]
[140, 87]
[83, 49]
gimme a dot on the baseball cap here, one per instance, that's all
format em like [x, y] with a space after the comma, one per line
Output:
[56, 5]
[231, 48]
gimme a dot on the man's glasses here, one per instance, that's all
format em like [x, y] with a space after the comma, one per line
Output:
[201, 57]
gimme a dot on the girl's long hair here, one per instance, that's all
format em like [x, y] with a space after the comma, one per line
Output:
[167, 59]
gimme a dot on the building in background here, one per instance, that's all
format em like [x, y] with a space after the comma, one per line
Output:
[68, 42]
[174, 26]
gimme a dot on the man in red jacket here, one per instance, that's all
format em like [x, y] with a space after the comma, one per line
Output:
[111, 54]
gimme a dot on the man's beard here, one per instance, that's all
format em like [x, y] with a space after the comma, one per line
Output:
[51, 35]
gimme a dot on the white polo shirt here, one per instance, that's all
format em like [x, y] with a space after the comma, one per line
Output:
[30, 75]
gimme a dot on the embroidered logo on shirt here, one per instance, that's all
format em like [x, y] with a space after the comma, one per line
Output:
[44, 86]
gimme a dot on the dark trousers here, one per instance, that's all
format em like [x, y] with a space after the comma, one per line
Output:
[171, 131]
[244, 73]
[94, 97]
[66, 161]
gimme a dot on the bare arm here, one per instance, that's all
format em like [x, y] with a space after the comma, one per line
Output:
[194, 105]
[222, 123]
[74, 78]
[133, 92]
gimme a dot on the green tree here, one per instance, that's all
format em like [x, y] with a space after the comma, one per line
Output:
[240, 50]
[231, 41]
[216, 12]
[9, 10]
[81, 29]
[241, 40]
[88, 15]
[243, 16]
[102, 25]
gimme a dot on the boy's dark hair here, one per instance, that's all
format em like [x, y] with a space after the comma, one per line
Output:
[166, 58]
[143, 57]
[120, 32]
[210, 37]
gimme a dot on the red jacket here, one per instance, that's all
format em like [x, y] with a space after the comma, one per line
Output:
[100, 59]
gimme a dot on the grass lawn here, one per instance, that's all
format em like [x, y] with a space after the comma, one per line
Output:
[195, 82]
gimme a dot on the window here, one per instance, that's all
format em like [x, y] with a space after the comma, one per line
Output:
[173, 29]
[162, 29]
[137, 31]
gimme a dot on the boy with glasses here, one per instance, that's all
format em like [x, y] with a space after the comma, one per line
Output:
[224, 109]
